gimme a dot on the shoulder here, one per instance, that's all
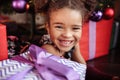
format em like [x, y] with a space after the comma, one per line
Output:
[48, 48]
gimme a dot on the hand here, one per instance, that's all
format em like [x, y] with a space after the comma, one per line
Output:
[76, 56]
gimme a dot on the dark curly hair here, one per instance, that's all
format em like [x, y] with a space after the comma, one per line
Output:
[84, 6]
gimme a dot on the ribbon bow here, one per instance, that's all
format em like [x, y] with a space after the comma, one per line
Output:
[47, 68]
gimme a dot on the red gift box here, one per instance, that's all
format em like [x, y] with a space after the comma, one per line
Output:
[95, 41]
[3, 43]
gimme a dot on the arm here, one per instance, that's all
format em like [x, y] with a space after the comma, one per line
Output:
[76, 56]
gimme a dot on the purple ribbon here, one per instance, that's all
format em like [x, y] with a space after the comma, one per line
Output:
[47, 68]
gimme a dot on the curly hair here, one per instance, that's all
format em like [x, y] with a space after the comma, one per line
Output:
[86, 7]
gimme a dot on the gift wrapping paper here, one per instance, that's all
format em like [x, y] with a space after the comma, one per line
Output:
[3, 43]
[95, 40]
[36, 64]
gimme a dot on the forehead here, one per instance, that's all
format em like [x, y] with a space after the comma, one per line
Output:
[66, 15]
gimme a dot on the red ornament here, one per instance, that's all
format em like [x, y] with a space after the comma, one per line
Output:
[108, 13]
[27, 6]
[19, 5]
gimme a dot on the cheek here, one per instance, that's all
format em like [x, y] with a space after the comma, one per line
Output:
[53, 35]
[78, 36]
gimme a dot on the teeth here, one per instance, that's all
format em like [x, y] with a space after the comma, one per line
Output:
[65, 43]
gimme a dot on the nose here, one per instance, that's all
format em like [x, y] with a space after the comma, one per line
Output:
[67, 34]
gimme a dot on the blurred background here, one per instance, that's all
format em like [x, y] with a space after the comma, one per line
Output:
[24, 26]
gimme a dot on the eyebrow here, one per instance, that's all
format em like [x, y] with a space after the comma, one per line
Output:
[79, 25]
[57, 23]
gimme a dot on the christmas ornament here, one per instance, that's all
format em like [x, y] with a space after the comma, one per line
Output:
[27, 6]
[96, 15]
[19, 5]
[108, 13]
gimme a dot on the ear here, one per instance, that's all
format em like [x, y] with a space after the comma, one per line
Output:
[47, 27]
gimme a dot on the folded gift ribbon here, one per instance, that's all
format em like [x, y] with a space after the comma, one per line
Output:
[47, 68]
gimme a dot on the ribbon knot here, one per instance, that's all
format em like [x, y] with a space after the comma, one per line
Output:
[47, 68]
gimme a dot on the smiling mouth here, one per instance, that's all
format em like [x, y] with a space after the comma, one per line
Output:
[66, 43]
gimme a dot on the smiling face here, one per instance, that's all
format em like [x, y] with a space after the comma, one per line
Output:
[65, 28]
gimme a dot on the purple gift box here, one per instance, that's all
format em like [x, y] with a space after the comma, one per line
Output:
[37, 64]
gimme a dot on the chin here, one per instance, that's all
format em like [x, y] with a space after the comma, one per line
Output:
[66, 49]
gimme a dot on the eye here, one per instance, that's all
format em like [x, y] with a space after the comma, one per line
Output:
[58, 27]
[76, 28]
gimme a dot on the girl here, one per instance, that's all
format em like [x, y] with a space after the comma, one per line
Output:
[64, 26]
[64, 21]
